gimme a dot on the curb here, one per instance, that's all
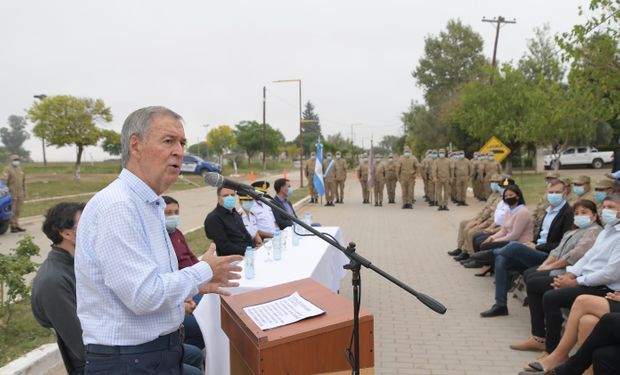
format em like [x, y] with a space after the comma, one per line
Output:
[44, 360]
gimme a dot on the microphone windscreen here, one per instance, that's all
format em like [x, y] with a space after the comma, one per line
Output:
[214, 179]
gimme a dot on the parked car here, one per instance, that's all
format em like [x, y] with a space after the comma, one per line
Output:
[579, 156]
[6, 208]
[193, 164]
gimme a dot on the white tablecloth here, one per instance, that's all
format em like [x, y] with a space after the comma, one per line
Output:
[313, 258]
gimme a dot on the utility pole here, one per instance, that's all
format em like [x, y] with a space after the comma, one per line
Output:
[499, 20]
[264, 126]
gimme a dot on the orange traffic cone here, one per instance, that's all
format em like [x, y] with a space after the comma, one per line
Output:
[251, 176]
[285, 175]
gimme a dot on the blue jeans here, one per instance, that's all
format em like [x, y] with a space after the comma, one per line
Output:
[193, 360]
[513, 257]
[193, 334]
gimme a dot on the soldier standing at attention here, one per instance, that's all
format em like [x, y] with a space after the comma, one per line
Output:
[329, 176]
[310, 164]
[462, 171]
[475, 186]
[452, 155]
[424, 173]
[431, 184]
[407, 168]
[379, 181]
[441, 177]
[391, 177]
[362, 176]
[16, 182]
[482, 161]
[491, 167]
[341, 176]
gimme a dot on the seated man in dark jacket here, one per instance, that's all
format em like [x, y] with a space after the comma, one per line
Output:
[225, 227]
[518, 257]
[284, 190]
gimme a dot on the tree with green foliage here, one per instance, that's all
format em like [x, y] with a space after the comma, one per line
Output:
[311, 127]
[201, 149]
[65, 120]
[542, 59]
[221, 140]
[249, 136]
[13, 270]
[14, 137]
[450, 59]
[111, 142]
[389, 142]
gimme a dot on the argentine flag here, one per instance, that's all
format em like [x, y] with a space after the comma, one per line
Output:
[317, 180]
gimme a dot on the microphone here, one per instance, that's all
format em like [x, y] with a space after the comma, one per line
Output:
[217, 180]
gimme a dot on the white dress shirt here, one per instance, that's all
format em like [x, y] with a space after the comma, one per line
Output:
[265, 221]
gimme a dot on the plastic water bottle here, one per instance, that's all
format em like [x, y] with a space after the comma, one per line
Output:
[249, 262]
[295, 235]
[277, 245]
[308, 219]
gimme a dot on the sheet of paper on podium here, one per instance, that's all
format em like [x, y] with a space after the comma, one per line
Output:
[282, 311]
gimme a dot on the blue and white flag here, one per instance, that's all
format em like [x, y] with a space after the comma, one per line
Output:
[317, 180]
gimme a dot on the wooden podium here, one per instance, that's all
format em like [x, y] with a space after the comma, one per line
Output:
[312, 346]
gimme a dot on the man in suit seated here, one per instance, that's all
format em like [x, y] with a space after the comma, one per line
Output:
[225, 227]
[284, 191]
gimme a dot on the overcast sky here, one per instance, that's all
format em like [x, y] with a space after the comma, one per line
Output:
[208, 60]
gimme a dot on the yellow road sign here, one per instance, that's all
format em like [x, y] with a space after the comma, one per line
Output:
[495, 146]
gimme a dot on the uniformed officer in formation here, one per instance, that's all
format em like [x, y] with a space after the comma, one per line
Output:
[424, 172]
[491, 167]
[379, 181]
[329, 177]
[407, 168]
[362, 176]
[583, 189]
[15, 180]
[341, 176]
[310, 165]
[391, 177]
[461, 174]
[477, 176]
[441, 178]
[432, 201]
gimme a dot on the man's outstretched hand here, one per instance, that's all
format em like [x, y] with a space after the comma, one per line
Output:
[224, 272]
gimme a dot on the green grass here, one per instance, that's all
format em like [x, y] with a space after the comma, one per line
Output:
[22, 334]
[532, 186]
[105, 167]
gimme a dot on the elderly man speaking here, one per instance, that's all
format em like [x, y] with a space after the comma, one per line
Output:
[130, 291]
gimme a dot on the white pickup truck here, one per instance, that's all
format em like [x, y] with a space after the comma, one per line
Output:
[578, 156]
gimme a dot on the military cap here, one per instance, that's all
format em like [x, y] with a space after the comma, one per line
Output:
[243, 197]
[604, 183]
[497, 177]
[442, 150]
[261, 185]
[329, 154]
[433, 151]
[14, 157]
[406, 148]
[582, 180]
[391, 155]
[338, 153]
[552, 174]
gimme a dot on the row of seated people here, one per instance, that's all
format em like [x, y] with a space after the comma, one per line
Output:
[568, 255]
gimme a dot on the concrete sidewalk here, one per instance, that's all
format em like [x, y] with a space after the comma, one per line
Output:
[412, 246]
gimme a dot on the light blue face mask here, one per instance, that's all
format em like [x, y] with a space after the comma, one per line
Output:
[599, 196]
[289, 193]
[579, 190]
[434, 156]
[501, 191]
[609, 216]
[247, 205]
[442, 155]
[16, 163]
[172, 222]
[229, 202]
[494, 186]
[582, 221]
[555, 199]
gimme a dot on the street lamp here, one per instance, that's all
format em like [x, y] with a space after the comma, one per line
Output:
[352, 133]
[301, 134]
[41, 97]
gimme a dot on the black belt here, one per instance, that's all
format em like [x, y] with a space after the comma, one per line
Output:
[160, 343]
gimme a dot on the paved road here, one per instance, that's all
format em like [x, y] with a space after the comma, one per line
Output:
[412, 245]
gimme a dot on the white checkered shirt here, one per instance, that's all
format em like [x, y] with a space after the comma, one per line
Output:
[129, 288]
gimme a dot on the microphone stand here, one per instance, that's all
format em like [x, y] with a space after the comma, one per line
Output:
[355, 263]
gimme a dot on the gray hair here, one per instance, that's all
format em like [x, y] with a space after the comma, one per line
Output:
[614, 197]
[138, 123]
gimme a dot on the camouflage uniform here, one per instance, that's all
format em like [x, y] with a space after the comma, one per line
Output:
[329, 178]
[15, 179]
[341, 176]
[441, 178]
[391, 177]
[362, 176]
[379, 182]
[310, 165]
[407, 168]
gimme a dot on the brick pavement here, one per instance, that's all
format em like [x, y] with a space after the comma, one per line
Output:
[412, 245]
